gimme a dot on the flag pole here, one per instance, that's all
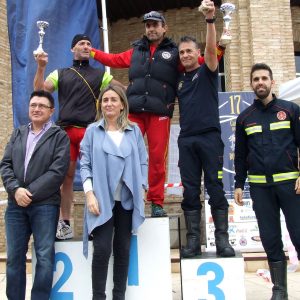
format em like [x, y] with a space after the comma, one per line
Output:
[105, 30]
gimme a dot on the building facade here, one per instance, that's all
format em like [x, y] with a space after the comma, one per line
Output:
[262, 31]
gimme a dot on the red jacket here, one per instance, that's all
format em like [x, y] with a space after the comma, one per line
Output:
[123, 59]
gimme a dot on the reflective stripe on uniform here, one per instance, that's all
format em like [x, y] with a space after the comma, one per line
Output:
[280, 125]
[276, 177]
[257, 178]
[253, 129]
[285, 176]
[220, 174]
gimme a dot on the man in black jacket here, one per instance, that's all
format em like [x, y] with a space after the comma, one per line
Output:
[266, 151]
[33, 167]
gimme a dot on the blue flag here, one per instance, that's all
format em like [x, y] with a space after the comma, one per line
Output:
[66, 18]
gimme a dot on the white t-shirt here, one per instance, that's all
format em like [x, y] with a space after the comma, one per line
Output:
[117, 137]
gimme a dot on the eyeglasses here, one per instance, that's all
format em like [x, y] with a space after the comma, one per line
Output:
[39, 105]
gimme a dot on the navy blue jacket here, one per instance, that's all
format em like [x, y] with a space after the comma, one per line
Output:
[267, 141]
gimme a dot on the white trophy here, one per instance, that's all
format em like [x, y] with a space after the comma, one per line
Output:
[227, 9]
[42, 25]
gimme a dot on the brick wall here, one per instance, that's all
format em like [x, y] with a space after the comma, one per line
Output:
[260, 37]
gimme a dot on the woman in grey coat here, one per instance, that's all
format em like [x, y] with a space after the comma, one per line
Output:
[114, 174]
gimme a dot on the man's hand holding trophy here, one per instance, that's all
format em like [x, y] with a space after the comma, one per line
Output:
[227, 9]
[39, 54]
[206, 7]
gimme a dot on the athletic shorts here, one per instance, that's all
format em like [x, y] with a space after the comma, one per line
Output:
[75, 135]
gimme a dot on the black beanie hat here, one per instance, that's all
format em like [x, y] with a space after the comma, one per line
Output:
[79, 37]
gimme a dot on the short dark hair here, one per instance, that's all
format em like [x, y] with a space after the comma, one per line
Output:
[42, 93]
[187, 39]
[261, 66]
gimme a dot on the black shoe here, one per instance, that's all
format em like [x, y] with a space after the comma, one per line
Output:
[279, 278]
[192, 222]
[157, 211]
[220, 217]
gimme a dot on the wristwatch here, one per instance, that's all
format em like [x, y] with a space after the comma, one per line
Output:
[212, 20]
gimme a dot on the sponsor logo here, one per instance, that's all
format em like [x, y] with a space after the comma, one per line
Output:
[243, 241]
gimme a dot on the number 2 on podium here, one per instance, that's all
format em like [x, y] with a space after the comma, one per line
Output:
[68, 269]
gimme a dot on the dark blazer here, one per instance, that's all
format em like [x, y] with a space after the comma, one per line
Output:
[46, 169]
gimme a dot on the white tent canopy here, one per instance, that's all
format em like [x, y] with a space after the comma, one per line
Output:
[290, 90]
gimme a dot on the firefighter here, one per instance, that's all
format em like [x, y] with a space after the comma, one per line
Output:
[266, 150]
[199, 142]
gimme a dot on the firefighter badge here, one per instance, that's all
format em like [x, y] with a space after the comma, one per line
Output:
[281, 115]
[166, 55]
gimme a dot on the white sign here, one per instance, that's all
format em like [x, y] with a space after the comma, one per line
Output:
[211, 278]
[149, 275]
[242, 227]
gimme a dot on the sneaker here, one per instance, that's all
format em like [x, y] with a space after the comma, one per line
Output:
[157, 211]
[64, 231]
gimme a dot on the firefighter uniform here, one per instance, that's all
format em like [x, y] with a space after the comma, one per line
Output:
[201, 147]
[266, 151]
[200, 144]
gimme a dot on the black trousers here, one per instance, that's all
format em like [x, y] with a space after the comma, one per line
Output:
[267, 202]
[118, 228]
[204, 151]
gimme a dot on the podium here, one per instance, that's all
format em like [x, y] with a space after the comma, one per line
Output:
[149, 275]
[208, 277]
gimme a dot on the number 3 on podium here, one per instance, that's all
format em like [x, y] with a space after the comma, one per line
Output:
[213, 284]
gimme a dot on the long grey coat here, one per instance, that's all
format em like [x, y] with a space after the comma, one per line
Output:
[106, 164]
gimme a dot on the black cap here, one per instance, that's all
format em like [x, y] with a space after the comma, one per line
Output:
[155, 16]
[79, 37]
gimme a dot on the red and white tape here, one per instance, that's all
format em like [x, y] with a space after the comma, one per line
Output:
[173, 185]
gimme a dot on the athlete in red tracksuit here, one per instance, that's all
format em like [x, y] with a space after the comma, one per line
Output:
[153, 64]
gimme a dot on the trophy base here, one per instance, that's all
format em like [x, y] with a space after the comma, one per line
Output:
[225, 40]
[38, 51]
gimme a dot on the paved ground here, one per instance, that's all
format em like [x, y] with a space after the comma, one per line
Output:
[256, 287]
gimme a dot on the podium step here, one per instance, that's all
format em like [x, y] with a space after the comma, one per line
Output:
[252, 261]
